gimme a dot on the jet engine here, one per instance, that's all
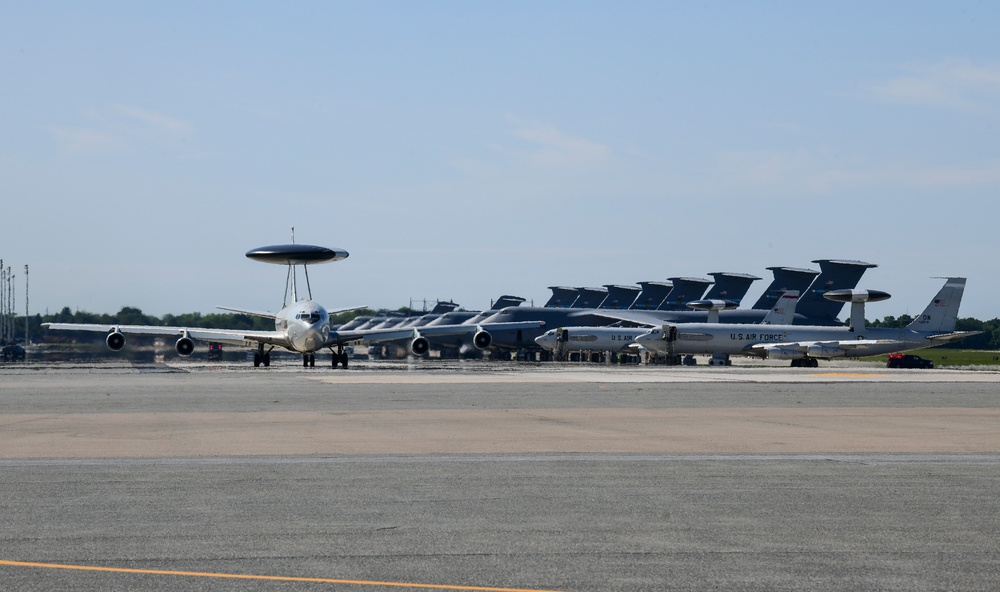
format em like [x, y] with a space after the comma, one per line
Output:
[825, 351]
[115, 340]
[482, 339]
[419, 346]
[781, 353]
[184, 346]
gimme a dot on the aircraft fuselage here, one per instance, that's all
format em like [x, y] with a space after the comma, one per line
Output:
[814, 342]
[306, 324]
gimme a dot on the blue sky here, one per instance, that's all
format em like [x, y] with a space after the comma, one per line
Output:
[465, 150]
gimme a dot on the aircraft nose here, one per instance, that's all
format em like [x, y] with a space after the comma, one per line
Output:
[544, 341]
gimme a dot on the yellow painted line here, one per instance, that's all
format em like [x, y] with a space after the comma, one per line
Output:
[196, 574]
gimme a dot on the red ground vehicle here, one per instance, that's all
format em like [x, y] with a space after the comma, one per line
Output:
[214, 351]
[901, 360]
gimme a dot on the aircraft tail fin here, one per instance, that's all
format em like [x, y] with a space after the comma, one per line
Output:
[834, 275]
[784, 309]
[562, 297]
[941, 314]
[685, 290]
[730, 286]
[590, 297]
[620, 297]
[653, 293]
[785, 278]
[505, 301]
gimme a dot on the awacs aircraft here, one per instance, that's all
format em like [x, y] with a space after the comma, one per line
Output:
[615, 339]
[804, 345]
[302, 326]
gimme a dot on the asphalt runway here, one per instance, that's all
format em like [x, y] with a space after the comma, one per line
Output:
[498, 477]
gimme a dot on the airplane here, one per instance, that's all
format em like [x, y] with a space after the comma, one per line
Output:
[615, 339]
[805, 345]
[303, 326]
[835, 273]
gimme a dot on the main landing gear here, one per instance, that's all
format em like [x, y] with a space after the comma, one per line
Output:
[262, 357]
[308, 360]
[805, 363]
[339, 356]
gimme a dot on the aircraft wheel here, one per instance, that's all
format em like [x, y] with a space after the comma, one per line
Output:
[256, 360]
[814, 363]
[335, 360]
[267, 360]
[343, 360]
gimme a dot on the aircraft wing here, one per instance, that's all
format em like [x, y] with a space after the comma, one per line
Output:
[367, 336]
[462, 329]
[271, 315]
[953, 336]
[253, 313]
[817, 346]
[230, 336]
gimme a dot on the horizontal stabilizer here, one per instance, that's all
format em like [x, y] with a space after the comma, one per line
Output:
[953, 336]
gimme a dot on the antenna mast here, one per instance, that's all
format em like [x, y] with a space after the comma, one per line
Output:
[25, 305]
[3, 302]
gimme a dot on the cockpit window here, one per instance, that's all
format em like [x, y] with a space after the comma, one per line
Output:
[309, 316]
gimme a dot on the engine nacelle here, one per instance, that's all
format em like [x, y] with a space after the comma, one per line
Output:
[482, 339]
[825, 351]
[420, 346]
[184, 346]
[781, 353]
[115, 341]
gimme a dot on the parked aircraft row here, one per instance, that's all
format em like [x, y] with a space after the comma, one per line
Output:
[301, 326]
[777, 339]
[627, 314]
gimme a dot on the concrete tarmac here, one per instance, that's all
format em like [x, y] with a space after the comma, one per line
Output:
[498, 476]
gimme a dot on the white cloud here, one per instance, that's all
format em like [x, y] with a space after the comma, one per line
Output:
[957, 177]
[555, 148]
[117, 130]
[80, 141]
[950, 84]
[799, 175]
[153, 120]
